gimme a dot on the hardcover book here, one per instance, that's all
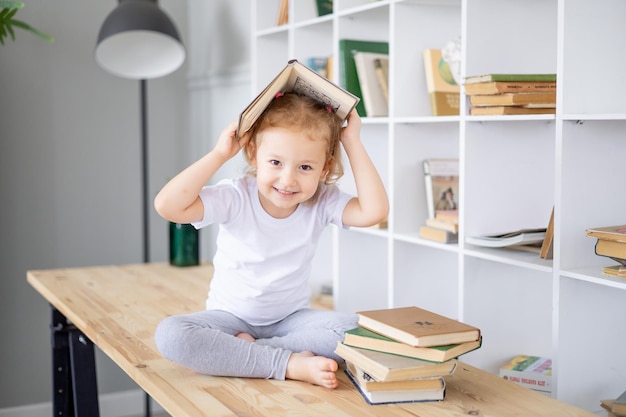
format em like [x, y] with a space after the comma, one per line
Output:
[296, 77]
[374, 98]
[532, 372]
[374, 392]
[348, 77]
[608, 232]
[441, 181]
[438, 235]
[367, 339]
[611, 248]
[509, 110]
[443, 91]
[510, 99]
[510, 78]
[417, 327]
[499, 87]
[518, 237]
[615, 271]
[386, 367]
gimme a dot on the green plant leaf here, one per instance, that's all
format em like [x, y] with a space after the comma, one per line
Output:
[7, 22]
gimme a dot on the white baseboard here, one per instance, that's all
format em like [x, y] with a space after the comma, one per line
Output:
[117, 404]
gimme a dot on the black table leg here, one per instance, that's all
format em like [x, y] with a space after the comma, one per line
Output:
[74, 384]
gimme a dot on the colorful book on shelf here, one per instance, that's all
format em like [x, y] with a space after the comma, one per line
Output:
[382, 72]
[608, 232]
[443, 91]
[509, 110]
[438, 235]
[375, 392]
[373, 95]
[324, 7]
[499, 87]
[512, 99]
[386, 367]
[318, 64]
[518, 237]
[510, 78]
[532, 372]
[441, 181]
[367, 339]
[283, 13]
[417, 327]
[348, 77]
[615, 270]
[296, 77]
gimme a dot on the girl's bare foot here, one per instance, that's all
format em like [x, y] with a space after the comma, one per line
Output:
[246, 337]
[317, 370]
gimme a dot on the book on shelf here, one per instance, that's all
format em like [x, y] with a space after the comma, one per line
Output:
[438, 235]
[441, 182]
[447, 215]
[511, 99]
[373, 95]
[518, 237]
[381, 65]
[366, 339]
[499, 87]
[375, 392]
[283, 13]
[548, 242]
[611, 248]
[532, 372]
[481, 78]
[509, 110]
[324, 7]
[443, 91]
[615, 270]
[348, 77]
[608, 232]
[452, 227]
[297, 77]
[386, 367]
[417, 327]
[318, 64]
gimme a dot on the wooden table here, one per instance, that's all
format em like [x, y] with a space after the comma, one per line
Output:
[118, 308]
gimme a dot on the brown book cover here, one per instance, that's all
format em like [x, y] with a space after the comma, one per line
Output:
[417, 327]
[298, 78]
[547, 247]
[438, 235]
[443, 91]
[498, 87]
[509, 110]
[611, 248]
[386, 367]
[511, 99]
[608, 232]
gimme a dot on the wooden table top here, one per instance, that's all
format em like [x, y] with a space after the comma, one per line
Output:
[119, 307]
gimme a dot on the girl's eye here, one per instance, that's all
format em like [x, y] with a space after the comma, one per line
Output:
[274, 162]
[306, 167]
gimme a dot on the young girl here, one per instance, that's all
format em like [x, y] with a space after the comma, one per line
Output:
[257, 322]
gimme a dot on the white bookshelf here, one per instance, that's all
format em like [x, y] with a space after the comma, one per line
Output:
[514, 169]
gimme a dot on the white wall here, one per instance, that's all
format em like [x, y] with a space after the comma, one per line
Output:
[70, 192]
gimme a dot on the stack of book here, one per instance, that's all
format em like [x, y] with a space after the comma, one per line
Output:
[611, 243]
[616, 407]
[502, 94]
[444, 227]
[403, 354]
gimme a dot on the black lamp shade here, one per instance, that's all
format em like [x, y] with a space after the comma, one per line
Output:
[138, 40]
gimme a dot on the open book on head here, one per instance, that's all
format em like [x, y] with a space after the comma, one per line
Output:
[298, 78]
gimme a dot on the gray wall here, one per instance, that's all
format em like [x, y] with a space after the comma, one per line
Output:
[70, 192]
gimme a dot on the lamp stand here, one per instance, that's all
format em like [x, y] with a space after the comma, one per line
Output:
[143, 97]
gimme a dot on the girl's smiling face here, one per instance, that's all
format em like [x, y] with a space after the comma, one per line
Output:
[289, 167]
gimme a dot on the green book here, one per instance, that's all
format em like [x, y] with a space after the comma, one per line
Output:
[510, 78]
[348, 77]
[367, 339]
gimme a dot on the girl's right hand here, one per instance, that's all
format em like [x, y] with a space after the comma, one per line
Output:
[228, 145]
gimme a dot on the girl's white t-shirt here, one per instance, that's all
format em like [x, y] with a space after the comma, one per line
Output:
[262, 264]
